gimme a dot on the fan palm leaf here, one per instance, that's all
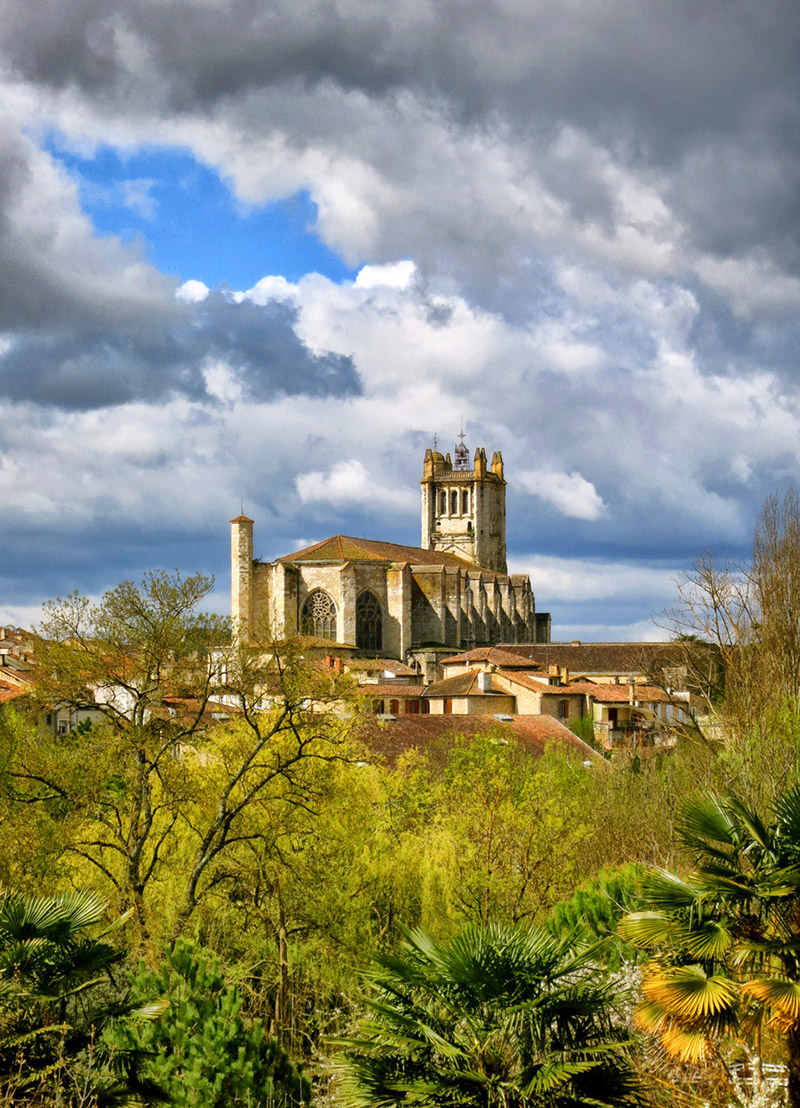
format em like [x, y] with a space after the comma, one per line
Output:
[498, 1016]
[726, 938]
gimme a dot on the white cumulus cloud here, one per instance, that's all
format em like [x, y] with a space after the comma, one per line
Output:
[569, 493]
[348, 483]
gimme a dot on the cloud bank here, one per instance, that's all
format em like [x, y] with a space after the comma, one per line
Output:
[575, 227]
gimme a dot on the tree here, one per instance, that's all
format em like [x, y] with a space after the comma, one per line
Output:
[596, 908]
[498, 1016]
[204, 1051]
[725, 939]
[162, 784]
[509, 821]
[737, 625]
[57, 995]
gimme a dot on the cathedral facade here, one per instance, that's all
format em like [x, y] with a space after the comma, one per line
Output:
[385, 599]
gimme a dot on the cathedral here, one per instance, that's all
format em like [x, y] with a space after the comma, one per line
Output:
[383, 599]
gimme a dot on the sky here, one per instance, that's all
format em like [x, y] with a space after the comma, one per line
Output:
[257, 255]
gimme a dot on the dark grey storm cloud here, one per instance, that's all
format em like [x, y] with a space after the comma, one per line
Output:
[54, 272]
[86, 369]
[707, 94]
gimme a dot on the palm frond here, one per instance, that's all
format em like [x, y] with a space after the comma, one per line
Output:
[667, 892]
[647, 930]
[706, 820]
[691, 1047]
[711, 939]
[687, 992]
[782, 997]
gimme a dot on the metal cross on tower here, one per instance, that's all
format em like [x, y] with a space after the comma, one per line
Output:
[461, 452]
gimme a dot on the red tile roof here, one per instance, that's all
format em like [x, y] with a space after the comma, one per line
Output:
[499, 655]
[380, 666]
[598, 657]
[438, 734]
[620, 694]
[596, 690]
[540, 685]
[10, 692]
[398, 691]
[344, 548]
[462, 684]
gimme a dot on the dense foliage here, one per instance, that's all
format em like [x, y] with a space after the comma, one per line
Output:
[58, 996]
[204, 1051]
[498, 1017]
[264, 857]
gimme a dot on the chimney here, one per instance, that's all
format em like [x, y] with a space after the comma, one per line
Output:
[484, 682]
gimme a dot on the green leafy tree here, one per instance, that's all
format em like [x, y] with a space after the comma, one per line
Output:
[204, 1051]
[57, 995]
[725, 939]
[129, 797]
[509, 818]
[596, 908]
[497, 1016]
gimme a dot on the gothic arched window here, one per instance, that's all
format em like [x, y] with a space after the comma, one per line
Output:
[369, 622]
[454, 503]
[443, 503]
[318, 617]
[465, 502]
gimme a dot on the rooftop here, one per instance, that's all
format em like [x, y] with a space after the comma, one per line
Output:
[438, 734]
[340, 548]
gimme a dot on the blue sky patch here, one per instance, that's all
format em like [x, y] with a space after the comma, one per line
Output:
[192, 225]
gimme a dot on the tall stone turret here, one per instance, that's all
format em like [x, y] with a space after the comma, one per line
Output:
[463, 509]
[241, 577]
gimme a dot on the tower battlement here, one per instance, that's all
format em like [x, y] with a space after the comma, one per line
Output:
[464, 510]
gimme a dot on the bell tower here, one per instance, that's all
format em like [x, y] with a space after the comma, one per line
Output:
[463, 507]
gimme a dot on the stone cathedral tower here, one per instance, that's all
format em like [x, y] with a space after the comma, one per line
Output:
[463, 509]
[389, 600]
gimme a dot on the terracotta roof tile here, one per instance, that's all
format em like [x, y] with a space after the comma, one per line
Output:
[540, 685]
[380, 666]
[598, 657]
[398, 692]
[462, 684]
[341, 548]
[499, 655]
[438, 734]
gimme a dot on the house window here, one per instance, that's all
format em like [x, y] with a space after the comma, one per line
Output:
[447, 707]
[319, 616]
[394, 707]
[412, 707]
[563, 709]
[369, 622]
